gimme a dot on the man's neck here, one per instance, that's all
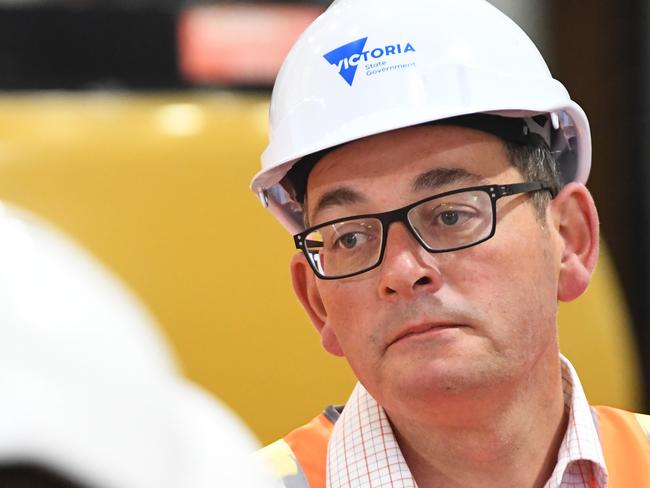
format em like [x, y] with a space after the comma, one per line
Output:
[505, 438]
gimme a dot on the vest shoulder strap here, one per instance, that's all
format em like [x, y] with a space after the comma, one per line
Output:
[309, 443]
[626, 446]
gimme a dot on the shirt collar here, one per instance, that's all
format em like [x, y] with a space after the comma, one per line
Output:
[580, 448]
[363, 451]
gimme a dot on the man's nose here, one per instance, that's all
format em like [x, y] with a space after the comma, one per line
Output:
[407, 268]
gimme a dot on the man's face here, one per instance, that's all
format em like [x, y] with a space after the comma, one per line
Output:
[423, 326]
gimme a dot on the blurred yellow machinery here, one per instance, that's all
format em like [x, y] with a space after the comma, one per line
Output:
[156, 186]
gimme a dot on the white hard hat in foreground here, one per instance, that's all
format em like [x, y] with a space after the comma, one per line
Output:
[370, 66]
[88, 387]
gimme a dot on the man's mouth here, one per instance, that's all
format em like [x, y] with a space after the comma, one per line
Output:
[422, 330]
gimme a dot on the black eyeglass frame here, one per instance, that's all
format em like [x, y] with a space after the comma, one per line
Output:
[401, 215]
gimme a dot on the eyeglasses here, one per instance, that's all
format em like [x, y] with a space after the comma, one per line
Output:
[445, 222]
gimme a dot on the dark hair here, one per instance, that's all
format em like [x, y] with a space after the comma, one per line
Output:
[535, 162]
[32, 475]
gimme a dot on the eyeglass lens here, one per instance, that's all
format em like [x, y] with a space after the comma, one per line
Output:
[440, 224]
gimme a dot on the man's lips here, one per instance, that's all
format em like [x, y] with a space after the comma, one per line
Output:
[422, 328]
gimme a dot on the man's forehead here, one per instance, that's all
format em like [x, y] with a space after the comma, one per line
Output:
[437, 150]
[431, 181]
[452, 130]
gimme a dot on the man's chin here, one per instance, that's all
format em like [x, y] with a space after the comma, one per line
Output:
[440, 378]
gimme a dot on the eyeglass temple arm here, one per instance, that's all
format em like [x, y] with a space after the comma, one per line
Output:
[515, 188]
[298, 239]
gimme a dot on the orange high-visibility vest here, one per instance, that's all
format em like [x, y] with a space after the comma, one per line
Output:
[300, 458]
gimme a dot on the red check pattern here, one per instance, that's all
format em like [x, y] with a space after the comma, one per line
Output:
[363, 452]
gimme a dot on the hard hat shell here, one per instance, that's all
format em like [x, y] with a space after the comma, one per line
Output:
[370, 66]
[89, 386]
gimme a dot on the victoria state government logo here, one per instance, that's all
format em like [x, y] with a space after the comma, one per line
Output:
[348, 57]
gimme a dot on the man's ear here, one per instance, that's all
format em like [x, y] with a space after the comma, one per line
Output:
[576, 220]
[304, 286]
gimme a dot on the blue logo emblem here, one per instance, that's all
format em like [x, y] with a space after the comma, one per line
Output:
[347, 58]
[342, 57]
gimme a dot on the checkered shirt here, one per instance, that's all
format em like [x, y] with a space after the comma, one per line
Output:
[363, 451]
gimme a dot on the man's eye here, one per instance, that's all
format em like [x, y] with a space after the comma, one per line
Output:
[349, 240]
[450, 217]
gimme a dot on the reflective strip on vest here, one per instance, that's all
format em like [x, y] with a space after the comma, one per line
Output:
[644, 420]
[300, 458]
[281, 461]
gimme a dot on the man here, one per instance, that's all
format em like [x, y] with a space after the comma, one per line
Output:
[432, 173]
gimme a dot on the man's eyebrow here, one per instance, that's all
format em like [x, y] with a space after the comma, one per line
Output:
[339, 196]
[431, 180]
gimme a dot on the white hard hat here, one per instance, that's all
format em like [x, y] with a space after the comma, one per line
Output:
[369, 66]
[88, 386]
